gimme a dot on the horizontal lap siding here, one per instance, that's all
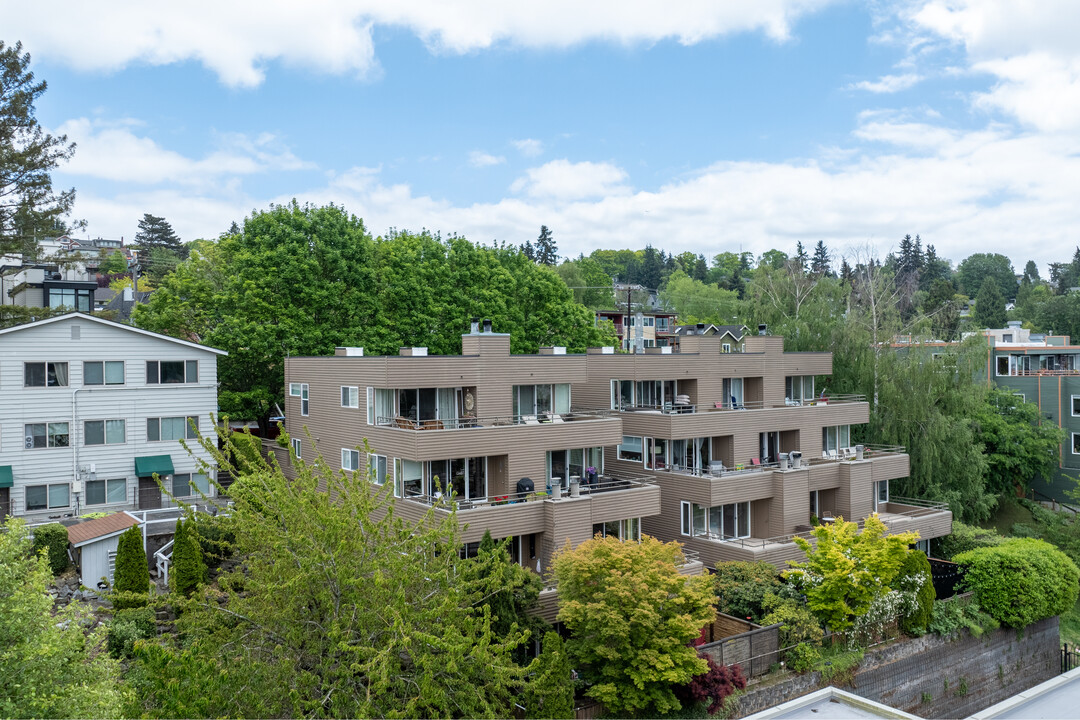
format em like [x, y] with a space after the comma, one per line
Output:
[623, 504]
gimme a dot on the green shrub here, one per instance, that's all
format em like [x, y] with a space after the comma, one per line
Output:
[127, 627]
[1020, 581]
[215, 539]
[131, 579]
[967, 537]
[952, 615]
[188, 569]
[246, 451]
[52, 539]
[916, 571]
[550, 694]
[797, 623]
[741, 588]
[803, 657]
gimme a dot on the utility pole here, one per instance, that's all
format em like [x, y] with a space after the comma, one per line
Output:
[626, 327]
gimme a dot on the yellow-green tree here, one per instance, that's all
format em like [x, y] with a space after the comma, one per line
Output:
[845, 570]
[631, 616]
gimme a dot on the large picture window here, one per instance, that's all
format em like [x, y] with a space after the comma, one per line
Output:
[720, 522]
[69, 297]
[631, 448]
[46, 435]
[834, 438]
[47, 497]
[106, 492]
[45, 374]
[173, 428]
[109, 372]
[171, 372]
[104, 432]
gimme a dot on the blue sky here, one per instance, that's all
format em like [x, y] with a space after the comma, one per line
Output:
[703, 126]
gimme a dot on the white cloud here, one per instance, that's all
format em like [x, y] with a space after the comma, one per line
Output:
[888, 83]
[529, 147]
[237, 39]
[481, 159]
[112, 151]
[564, 180]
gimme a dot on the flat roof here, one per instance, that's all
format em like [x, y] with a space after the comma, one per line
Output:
[831, 703]
[1058, 697]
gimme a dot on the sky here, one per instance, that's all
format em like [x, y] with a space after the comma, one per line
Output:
[701, 125]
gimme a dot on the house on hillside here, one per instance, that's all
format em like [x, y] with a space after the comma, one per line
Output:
[94, 409]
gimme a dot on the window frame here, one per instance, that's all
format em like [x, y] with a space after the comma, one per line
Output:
[49, 434]
[353, 399]
[154, 372]
[48, 496]
[104, 432]
[46, 366]
[105, 485]
[352, 455]
[685, 518]
[375, 463]
[104, 372]
[1075, 449]
[305, 399]
[297, 445]
[190, 433]
[640, 452]
[1072, 400]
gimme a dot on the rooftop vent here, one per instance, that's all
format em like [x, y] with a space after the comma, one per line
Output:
[474, 325]
[487, 325]
[1014, 323]
[762, 329]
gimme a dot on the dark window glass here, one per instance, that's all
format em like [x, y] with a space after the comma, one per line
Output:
[153, 430]
[84, 301]
[37, 497]
[95, 492]
[95, 432]
[172, 371]
[192, 371]
[34, 374]
[36, 437]
[93, 373]
[181, 486]
[56, 374]
[192, 427]
[152, 372]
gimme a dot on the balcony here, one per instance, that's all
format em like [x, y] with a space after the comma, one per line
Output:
[473, 423]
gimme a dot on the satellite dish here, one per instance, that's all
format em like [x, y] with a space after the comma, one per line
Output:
[29, 442]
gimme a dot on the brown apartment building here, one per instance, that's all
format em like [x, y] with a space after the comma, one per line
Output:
[692, 444]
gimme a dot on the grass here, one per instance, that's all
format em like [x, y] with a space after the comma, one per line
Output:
[1008, 512]
[1070, 625]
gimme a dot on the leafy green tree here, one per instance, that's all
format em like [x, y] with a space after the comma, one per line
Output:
[550, 694]
[188, 567]
[989, 306]
[54, 666]
[916, 570]
[847, 570]
[547, 252]
[803, 308]
[28, 205]
[301, 280]
[1060, 314]
[515, 591]
[113, 264]
[694, 301]
[337, 608]
[51, 540]
[1031, 272]
[652, 267]
[1020, 581]
[1019, 446]
[971, 273]
[131, 578]
[742, 588]
[631, 616]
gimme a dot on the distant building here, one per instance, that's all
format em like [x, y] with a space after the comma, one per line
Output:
[657, 329]
[61, 273]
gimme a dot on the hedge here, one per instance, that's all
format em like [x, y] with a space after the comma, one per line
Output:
[918, 621]
[967, 537]
[131, 579]
[53, 540]
[1020, 581]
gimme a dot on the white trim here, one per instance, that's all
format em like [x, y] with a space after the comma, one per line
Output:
[686, 519]
[350, 454]
[297, 445]
[1074, 436]
[1072, 403]
[109, 323]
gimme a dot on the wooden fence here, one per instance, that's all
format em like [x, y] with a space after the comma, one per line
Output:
[755, 651]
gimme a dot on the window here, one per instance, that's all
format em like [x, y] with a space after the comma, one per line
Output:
[104, 432]
[1076, 405]
[631, 449]
[174, 428]
[376, 468]
[1003, 365]
[408, 478]
[110, 372]
[1007, 338]
[684, 508]
[304, 406]
[541, 399]
[45, 374]
[296, 448]
[380, 406]
[350, 396]
[1076, 443]
[798, 389]
[186, 485]
[835, 437]
[106, 492]
[69, 297]
[42, 435]
[726, 347]
[47, 497]
[881, 493]
[629, 529]
[721, 522]
[171, 372]
[814, 502]
[294, 389]
[350, 459]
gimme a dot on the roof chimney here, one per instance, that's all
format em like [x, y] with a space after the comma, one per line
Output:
[487, 325]
[474, 325]
[762, 329]
[701, 328]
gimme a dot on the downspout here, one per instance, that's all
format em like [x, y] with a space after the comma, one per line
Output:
[74, 440]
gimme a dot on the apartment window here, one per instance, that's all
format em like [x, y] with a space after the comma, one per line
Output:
[1003, 365]
[631, 449]
[1076, 405]
[304, 403]
[46, 435]
[720, 522]
[1007, 338]
[1076, 443]
[294, 389]
[798, 389]
[835, 437]
[69, 297]
[172, 428]
[376, 469]
[881, 493]
[408, 478]
[685, 510]
[109, 372]
[45, 374]
[172, 372]
[104, 432]
[350, 459]
[575, 462]
[541, 399]
[296, 448]
[186, 485]
[47, 497]
[626, 530]
[380, 406]
[814, 502]
[726, 347]
[106, 492]
[350, 397]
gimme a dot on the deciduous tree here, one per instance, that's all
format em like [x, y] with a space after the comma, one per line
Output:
[971, 273]
[695, 302]
[631, 616]
[1019, 446]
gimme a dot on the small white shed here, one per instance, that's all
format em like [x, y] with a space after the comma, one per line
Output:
[95, 544]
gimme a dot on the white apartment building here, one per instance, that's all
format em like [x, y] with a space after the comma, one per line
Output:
[91, 409]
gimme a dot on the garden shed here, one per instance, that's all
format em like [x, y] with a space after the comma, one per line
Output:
[95, 542]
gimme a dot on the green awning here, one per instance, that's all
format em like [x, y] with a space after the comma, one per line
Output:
[7, 479]
[148, 465]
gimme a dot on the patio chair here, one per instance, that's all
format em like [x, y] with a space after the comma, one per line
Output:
[755, 462]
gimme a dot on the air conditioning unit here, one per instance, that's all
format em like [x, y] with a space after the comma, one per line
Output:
[29, 440]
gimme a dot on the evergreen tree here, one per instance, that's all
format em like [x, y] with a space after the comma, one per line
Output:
[801, 258]
[29, 207]
[547, 252]
[188, 568]
[131, 579]
[156, 232]
[847, 275]
[528, 251]
[550, 694]
[651, 268]
[820, 264]
[1031, 272]
[701, 269]
[989, 305]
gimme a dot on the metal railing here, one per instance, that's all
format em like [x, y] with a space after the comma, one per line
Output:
[728, 405]
[603, 484]
[469, 423]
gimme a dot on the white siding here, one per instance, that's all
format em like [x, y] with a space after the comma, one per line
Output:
[94, 561]
[134, 402]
